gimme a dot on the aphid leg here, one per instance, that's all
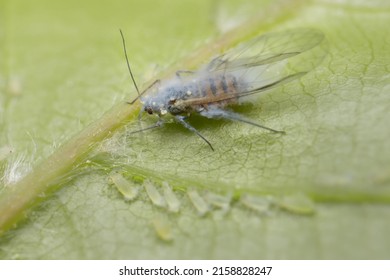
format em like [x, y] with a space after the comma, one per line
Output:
[180, 72]
[159, 123]
[181, 119]
[148, 88]
[222, 114]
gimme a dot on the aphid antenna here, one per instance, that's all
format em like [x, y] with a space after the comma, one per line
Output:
[128, 67]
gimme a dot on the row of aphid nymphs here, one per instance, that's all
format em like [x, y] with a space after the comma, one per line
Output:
[130, 191]
[166, 200]
[204, 202]
[165, 197]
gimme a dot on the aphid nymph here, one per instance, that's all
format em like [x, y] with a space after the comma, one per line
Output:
[255, 67]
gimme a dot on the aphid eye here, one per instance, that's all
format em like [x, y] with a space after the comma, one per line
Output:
[149, 110]
[172, 101]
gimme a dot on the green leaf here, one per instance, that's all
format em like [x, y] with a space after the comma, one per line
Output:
[320, 191]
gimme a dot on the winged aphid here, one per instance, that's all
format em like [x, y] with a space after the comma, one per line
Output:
[261, 64]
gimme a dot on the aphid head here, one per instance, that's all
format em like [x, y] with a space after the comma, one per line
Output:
[149, 110]
[153, 107]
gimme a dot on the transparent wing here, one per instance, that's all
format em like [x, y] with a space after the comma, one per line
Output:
[267, 49]
[265, 62]
[271, 60]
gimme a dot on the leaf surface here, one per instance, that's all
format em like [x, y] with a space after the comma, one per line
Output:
[327, 179]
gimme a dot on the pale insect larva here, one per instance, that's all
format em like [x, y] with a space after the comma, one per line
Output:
[219, 201]
[163, 229]
[297, 204]
[154, 195]
[262, 64]
[201, 206]
[172, 201]
[258, 204]
[128, 190]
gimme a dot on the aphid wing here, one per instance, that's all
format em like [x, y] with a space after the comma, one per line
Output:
[267, 49]
[270, 60]
[260, 87]
[209, 99]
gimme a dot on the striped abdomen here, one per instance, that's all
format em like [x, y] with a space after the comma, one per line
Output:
[219, 90]
[197, 95]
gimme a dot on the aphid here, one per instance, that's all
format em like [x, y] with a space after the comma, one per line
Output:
[297, 204]
[154, 195]
[162, 229]
[172, 202]
[261, 64]
[258, 204]
[129, 191]
[219, 201]
[199, 203]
